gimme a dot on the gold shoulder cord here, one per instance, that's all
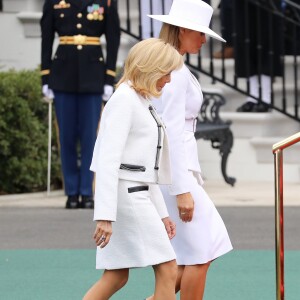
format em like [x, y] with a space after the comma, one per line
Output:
[111, 73]
[45, 72]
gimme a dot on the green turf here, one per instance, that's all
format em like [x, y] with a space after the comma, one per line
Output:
[67, 274]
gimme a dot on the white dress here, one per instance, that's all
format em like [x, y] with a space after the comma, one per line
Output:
[127, 167]
[204, 238]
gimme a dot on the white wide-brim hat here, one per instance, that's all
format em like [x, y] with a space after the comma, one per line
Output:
[190, 14]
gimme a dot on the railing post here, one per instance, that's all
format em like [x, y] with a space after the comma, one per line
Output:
[279, 215]
[279, 234]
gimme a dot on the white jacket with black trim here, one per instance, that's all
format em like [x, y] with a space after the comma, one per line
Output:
[131, 145]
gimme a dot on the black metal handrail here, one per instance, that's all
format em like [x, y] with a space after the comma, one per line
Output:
[282, 18]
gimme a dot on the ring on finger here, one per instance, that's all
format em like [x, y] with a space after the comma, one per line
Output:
[103, 237]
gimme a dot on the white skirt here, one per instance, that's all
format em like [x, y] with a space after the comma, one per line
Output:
[139, 238]
[204, 238]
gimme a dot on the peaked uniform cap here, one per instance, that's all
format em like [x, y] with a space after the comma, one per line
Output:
[190, 14]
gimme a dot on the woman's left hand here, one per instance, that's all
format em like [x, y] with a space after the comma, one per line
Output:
[102, 233]
[185, 205]
[170, 227]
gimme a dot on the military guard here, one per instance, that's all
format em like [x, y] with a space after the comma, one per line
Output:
[79, 78]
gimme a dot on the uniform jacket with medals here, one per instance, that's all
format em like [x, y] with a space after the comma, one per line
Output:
[79, 67]
[131, 145]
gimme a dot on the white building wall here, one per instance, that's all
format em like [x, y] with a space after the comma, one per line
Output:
[17, 6]
[17, 51]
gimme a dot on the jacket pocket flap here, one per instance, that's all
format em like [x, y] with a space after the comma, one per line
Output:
[134, 168]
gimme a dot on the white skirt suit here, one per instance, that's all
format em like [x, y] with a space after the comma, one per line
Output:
[204, 238]
[131, 157]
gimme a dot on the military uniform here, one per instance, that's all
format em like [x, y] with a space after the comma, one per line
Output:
[77, 74]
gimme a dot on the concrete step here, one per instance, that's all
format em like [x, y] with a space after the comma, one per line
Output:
[249, 125]
[291, 68]
[234, 99]
[251, 157]
[249, 161]
[263, 145]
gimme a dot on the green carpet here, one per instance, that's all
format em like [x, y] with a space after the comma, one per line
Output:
[67, 275]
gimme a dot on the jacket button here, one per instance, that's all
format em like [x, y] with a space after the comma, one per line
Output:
[62, 15]
[79, 47]
[79, 15]
[79, 26]
[101, 58]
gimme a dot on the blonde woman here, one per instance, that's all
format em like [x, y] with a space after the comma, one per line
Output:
[131, 156]
[201, 234]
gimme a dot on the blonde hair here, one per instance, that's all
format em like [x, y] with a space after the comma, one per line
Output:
[147, 62]
[170, 34]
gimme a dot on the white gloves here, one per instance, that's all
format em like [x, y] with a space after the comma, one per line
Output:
[108, 91]
[48, 93]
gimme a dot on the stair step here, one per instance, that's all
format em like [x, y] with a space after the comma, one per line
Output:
[264, 145]
[248, 125]
[249, 161]
[235, 99]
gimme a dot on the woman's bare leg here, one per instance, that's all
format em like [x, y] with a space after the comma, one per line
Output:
[165, 279]
[192, 283]
[110, 282]
[180, 271]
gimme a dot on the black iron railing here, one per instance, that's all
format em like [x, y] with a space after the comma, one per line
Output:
[274, 30]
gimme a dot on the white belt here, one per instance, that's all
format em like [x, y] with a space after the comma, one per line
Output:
[190, 125]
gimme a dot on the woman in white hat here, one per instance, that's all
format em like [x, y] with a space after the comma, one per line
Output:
[201, 234]
[131, 156]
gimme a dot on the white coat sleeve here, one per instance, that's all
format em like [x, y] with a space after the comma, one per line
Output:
[158, 200]
[114, 129]
[174, 102]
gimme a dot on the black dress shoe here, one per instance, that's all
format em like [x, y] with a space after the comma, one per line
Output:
[261, 107]
[246, 107]
[72, 202]
[87, 202]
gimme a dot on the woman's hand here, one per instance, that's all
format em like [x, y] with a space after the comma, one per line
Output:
[102, 233]
[170, 227]
[185, 204]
